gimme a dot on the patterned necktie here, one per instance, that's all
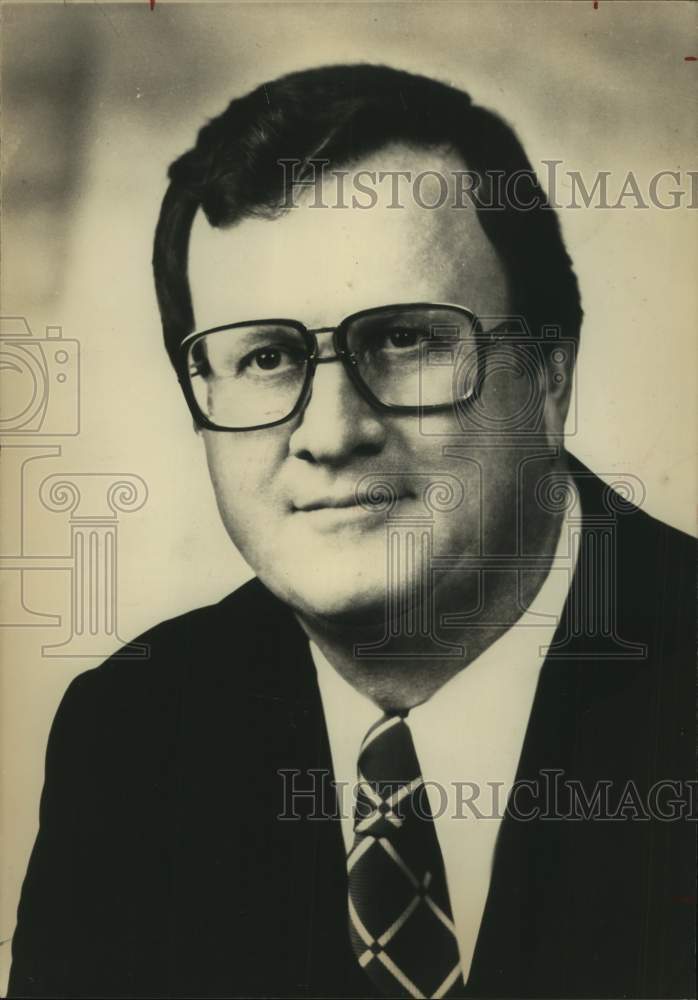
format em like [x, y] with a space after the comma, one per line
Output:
[399, 913]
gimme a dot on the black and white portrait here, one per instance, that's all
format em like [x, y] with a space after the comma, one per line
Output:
[349, 489]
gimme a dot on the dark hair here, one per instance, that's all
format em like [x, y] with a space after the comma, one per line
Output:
[338, 114]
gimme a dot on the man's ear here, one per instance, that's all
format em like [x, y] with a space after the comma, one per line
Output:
[557, 378]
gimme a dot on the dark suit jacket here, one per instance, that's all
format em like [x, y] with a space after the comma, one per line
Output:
[161, 869]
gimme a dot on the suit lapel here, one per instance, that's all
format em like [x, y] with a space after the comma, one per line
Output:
[259, 849]
[539, 934]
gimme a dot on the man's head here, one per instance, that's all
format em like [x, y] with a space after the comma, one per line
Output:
[266, 250]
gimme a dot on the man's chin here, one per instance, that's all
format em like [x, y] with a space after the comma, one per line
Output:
[339, 609]
[343, 615]
[330, 600]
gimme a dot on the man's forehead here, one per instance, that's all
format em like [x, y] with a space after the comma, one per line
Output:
[341, 249]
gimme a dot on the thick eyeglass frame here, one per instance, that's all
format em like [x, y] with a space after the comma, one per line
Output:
[483, 340]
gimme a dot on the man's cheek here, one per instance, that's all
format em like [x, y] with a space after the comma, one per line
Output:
[459, 532]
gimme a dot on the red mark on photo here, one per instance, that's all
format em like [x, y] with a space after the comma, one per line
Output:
[690, 58]
[152, 4]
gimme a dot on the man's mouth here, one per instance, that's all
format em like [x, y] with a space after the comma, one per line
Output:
[328, 503]
[346, 501]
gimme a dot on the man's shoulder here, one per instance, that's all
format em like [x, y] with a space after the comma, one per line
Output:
[611, 506]
[190, 648]
[125, 719]
[637, 569]
[235, 618]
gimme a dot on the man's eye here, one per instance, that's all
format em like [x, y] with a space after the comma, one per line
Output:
[398, 341]
[267, 359]
[403, 338]
[270, 359]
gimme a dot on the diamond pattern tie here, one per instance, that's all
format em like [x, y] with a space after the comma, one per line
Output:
[400, 918]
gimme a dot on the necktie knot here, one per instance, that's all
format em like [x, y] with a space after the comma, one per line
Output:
[388, 778]
[387, 753]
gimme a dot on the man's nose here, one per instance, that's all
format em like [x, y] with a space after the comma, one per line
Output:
[337, 424]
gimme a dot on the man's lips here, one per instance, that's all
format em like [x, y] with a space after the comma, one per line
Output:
[326, 503]
[345, 501]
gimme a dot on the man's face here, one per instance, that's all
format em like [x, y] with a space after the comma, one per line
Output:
[285, 493]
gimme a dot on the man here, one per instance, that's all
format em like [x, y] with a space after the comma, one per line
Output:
[447, 604]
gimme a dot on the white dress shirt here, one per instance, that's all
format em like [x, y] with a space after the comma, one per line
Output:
[471, 730]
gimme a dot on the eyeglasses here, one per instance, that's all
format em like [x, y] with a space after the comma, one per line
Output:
[407, 359]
